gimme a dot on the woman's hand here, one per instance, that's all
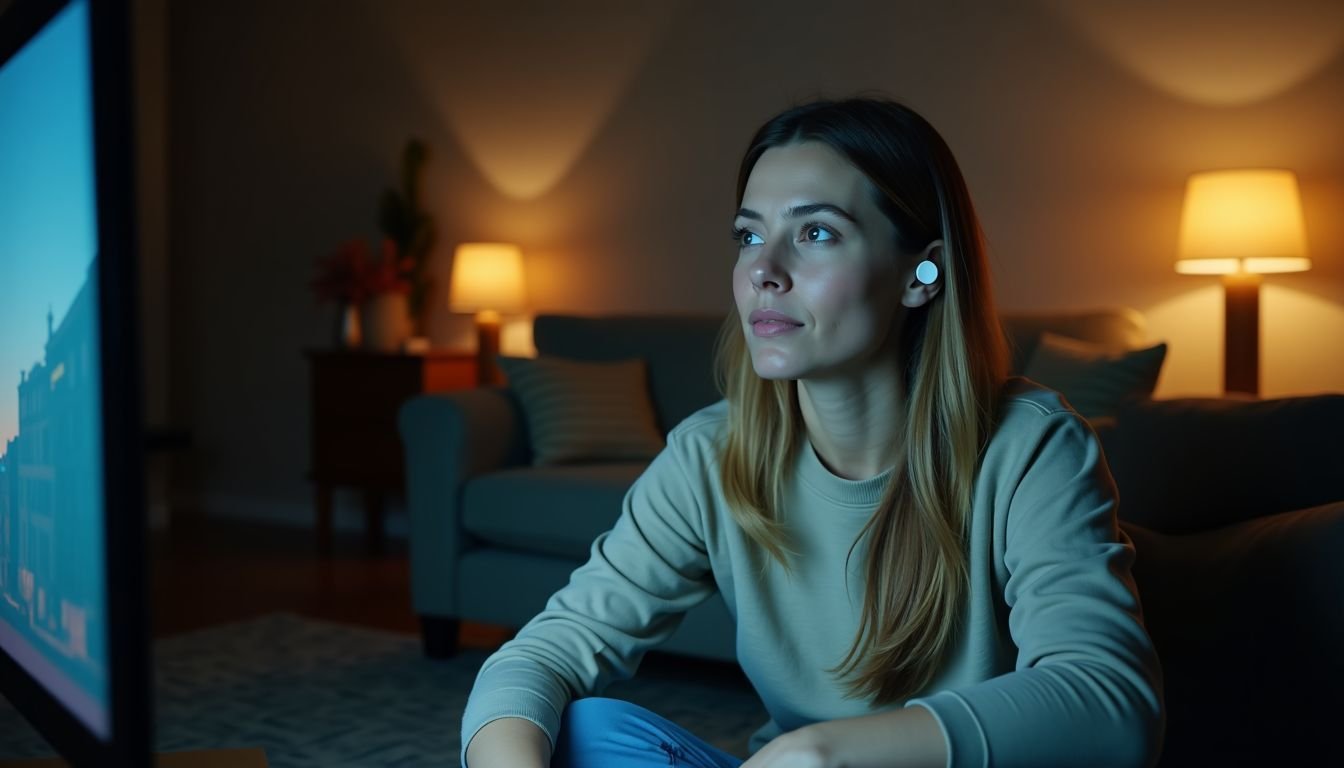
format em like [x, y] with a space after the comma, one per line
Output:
[806, 747]
[907, 737]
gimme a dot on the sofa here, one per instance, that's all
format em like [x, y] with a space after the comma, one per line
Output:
[1235, 506]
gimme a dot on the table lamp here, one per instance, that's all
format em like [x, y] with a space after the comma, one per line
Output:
[487, 280]
[1241, 224]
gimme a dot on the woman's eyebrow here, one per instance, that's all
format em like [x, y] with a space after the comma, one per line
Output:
[799, 211]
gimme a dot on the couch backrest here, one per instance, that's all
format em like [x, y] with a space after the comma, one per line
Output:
[679, 349]
[1190, 464]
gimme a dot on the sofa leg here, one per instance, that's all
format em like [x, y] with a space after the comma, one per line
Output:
[440, 636]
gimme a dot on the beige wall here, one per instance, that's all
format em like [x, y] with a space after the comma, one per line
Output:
[605, 141]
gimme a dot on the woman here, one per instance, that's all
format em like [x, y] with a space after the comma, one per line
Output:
[921, 553]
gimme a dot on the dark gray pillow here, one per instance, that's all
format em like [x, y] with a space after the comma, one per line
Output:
[581, 411]
[1092, 379]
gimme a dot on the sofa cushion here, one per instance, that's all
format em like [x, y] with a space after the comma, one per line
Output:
[582, 411]
[552, 510]
[1193, 464]
[1247, 613]
[678, 350]
[1094, 380]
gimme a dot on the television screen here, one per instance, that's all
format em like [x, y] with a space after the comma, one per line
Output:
[53, 610]
[72, 614]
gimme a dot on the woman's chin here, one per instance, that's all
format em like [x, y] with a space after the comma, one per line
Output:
[775, 372]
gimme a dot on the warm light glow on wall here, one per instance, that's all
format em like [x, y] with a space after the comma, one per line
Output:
[1191, 322]
[1242, 221]
[526, 90]
[1221, 52]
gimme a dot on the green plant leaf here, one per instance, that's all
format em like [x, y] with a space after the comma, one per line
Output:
[413, 161]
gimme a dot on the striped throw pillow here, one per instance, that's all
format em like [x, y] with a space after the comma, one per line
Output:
[585, 411]
[1093, 379]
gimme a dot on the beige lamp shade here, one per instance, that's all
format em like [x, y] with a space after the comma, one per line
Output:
[1247, 221]
[487, 277]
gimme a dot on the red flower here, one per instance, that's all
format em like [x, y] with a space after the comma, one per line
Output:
[349, 275]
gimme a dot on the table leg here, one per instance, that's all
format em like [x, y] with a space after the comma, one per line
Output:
[323, 502]
[373, 519]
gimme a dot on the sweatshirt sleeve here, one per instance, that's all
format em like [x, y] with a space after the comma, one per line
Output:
[632, 593]
[1087, 687]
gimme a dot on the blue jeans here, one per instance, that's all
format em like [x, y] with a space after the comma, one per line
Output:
[609, 733]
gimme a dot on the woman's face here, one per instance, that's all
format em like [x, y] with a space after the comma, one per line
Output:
[814, 247]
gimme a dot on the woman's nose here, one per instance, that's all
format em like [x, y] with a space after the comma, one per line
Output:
[767, 271]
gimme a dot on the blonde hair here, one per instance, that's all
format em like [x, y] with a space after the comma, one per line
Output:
[955, 364]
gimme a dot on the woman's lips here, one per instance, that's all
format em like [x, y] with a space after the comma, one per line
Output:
[773, 328]
[763, 315]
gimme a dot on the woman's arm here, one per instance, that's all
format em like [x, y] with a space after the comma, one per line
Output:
[1087, 688]
[641, 577]
[509, 742]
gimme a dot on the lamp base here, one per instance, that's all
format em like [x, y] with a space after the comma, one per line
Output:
[1241, 334]
[488, 373]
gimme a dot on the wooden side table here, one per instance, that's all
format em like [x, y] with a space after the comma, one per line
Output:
[355, 397]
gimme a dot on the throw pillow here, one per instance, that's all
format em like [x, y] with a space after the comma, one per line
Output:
[584, 411]
[1092, 378]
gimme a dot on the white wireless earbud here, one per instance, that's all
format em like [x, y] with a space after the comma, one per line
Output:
[926, 272]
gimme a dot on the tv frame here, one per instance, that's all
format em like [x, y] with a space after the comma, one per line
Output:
[124, 516]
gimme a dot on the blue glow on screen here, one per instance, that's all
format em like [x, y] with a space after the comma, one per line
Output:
[53, 618]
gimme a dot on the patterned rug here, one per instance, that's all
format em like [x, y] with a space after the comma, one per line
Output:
[314, 693]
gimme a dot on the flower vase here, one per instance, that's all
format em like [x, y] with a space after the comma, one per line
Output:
[386, 320]
[348, 330]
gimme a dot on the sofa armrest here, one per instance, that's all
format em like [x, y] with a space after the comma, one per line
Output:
[450, 437]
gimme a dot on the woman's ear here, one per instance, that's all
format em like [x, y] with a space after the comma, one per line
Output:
[915, 292]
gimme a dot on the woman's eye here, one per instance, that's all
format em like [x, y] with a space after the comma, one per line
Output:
[814, 233]
[743, 237]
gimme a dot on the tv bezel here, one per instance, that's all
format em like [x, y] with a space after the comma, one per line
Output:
[124, 515]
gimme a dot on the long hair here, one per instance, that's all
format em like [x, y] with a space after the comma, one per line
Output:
[955, 362]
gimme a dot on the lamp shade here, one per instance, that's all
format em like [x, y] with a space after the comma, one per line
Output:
[486, 277]
[1242, 221]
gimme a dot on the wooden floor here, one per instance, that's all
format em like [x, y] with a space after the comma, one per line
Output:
[206, 571]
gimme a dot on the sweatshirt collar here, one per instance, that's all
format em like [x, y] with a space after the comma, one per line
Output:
[863, 494]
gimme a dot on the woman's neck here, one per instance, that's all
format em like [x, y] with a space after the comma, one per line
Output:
[855, 424]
